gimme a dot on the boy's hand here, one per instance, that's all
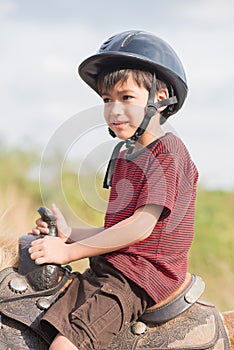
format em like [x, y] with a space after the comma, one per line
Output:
[64, 230]
[49, 250]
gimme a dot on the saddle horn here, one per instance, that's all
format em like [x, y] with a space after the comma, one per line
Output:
[43, 276]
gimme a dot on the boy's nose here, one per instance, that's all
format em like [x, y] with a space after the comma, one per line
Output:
[116, 108]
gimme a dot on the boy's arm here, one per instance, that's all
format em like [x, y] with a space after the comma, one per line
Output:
[131, 230]
[78, 234]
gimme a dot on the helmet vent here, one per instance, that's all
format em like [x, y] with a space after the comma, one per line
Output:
[106, 44]
[128, 39]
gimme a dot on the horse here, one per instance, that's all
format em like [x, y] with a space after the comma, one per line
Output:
[183, 321]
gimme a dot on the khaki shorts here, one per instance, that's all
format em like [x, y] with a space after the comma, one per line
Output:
[97, 305]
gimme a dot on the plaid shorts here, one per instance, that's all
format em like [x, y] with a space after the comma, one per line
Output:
[97, 305]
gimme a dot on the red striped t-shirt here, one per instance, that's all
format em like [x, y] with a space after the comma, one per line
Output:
[162, 173]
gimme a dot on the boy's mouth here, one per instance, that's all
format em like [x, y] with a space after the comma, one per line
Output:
[119, 124]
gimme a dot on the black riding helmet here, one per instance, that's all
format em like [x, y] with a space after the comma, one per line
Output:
[139, 50]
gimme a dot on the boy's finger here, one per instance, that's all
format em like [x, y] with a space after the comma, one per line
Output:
[35, 231]
[41, 223]
[38, 230]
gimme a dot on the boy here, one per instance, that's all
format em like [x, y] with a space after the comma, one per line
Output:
[139, 257]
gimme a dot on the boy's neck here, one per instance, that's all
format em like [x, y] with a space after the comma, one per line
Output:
[147, 138]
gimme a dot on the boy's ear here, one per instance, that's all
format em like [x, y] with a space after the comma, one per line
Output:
[160, 95]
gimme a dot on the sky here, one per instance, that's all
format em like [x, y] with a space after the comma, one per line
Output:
[42, 43]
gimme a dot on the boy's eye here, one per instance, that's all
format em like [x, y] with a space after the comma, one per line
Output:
[127, 97]
[106, 99]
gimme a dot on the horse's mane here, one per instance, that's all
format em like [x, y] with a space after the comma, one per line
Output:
[8, 251]
[8, 246]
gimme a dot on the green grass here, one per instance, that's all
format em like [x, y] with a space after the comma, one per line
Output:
[213, 249]
[211, 255]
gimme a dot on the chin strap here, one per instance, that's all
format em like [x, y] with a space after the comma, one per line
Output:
[151, 110]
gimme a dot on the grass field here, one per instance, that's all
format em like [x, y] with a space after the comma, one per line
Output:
[211, 255]
[213, 248]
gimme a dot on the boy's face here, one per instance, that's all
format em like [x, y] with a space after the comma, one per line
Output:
[124, 107]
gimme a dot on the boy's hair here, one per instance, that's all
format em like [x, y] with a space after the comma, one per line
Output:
[107, 80]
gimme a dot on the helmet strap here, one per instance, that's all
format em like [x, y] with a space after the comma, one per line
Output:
[151, 110]
[111, 165]
[111, 133]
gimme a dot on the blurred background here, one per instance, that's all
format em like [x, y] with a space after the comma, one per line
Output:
[42, 44]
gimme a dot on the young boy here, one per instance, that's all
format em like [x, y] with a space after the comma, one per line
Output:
[139, 257]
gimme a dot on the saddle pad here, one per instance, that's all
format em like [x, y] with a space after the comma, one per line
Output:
[200, 327]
